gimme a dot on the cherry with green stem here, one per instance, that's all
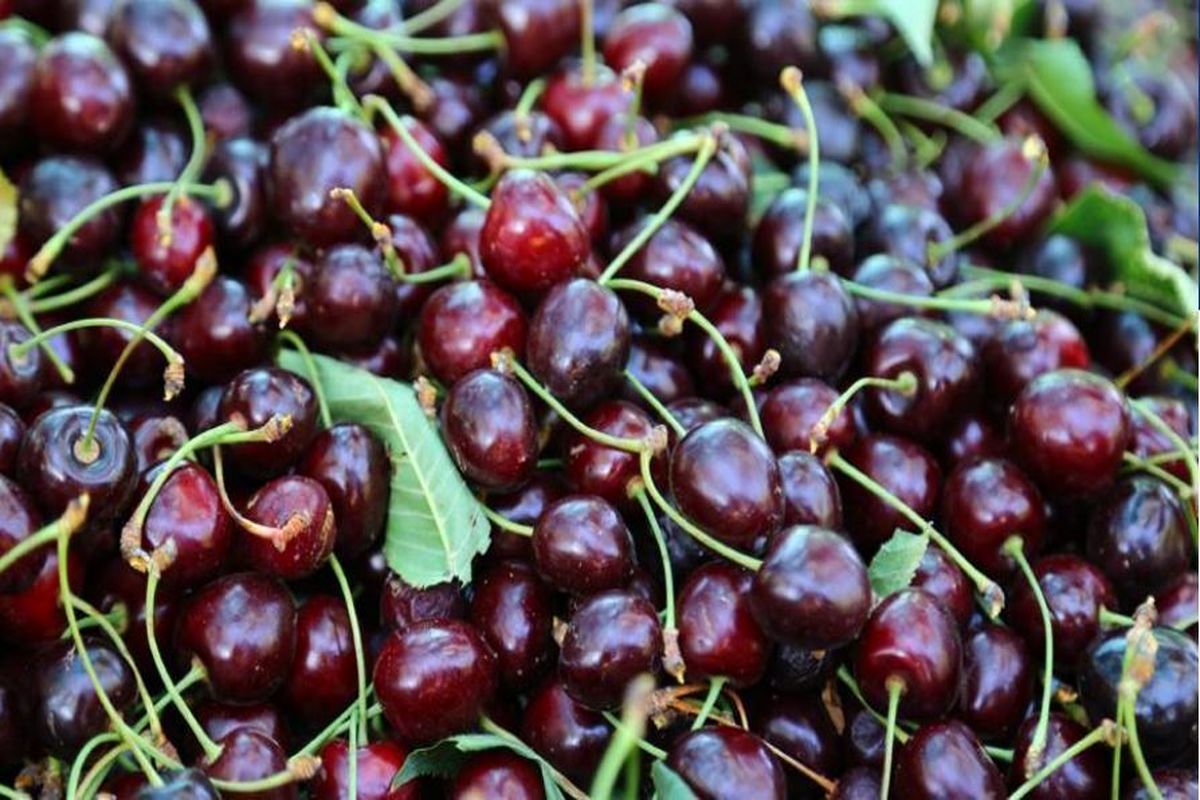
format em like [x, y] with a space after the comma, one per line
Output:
[634, 712]
[504, 523]
[327, 17]
[773, 132]
[904, 384]
[994, 306]
[314, 380]
[895, 688]
[611, 166]
[1014, 547]
[931, 111]
[672, 660]
[866, 108]
[1106, 732]
[656, 404]
[42, 302]
[793, 83]
[359, 663]
[21, 309]
[191, 170]
[587, 42]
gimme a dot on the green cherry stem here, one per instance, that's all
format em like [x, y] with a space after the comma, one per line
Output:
[505, 524]
[564, 783]
[587, 41]
[356, 637]
[866, 108]
[895, 689]
[991, 307]
[84, 291]
[715, 684]
[634, 711]
[455, 268]
[843, 675]
[1177, 441]
[655, 403]
[773, 132]
[656, 753]
[1111, 619]
[1104, 733]
[314, 376]
[672, 658]
[20, 307]
[343, 97]
[1014, 547]
[401, 39]
[43, 537]
[992, 594]
[191, 169]
[1005, 98]
[1136, 463]
[793, 83]
[905, 384]
[931, 111]
[417, 91]
[430, 16]
[20, 350]
[525, 103]
[1140, 647]
[340, 723]
[85, 752]
[644, 159]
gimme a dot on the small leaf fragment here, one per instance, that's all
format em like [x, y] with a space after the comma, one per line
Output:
[668, 785]
[894, 566]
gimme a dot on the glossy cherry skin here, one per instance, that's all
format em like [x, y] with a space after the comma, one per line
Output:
[462, 324]
[313, 153]
[906, 233]
[569, 735]
[165, 43]
[402, 605]
[225, 111]
[1084, 777]
[19, 54]
[581, 546]
[810, 493]
[1176, 603]
[593, 468]
[242, 628]
[720, 200]
[940, 577]
[20, 379]
[498, 773]
[322, 680]
[248, 754]
[983, 504]
[67, 708]
[910, 637]
[726, 763]
[82, 98]
[537, 33]
[416, 250]
[263, 268]
[215, 334]
[253, 397]
[1172, 782]
[800, 726]
[1166, 706]
[488, 423]
[102, 347]
[1069, 429]
[512, 609]
[1075, 591]
[164, 266]
[1021, 350]
[411, 188]
[858, 783]
[581, 108]
[738, 315]
[718, 634]
[291, 500]
[35, 615]
[155, 151]
[658, 36]
[792, 410]
[54, 192]
[970, 437]
[659, 369]
[882, 271]
[811, 320]
[1138, 536]
[903, 468]
[260, 55]
[997, 681]
[219, 719]
[993, 178]
[188, 513]
[19, 519]
[242, 163]
[352, 298]
[944, 760]
[725, 479]
[434, 679]
[780, 233]
[352, 466]
[611, 638]
[12, 431]
[376, 765]
[676, 257]
[1150, 441]
[155, 438]
[186, 784]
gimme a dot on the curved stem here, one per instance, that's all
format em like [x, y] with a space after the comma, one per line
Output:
[1004, 98]
[333, 728]
[457, 267]
[643, 159]
[866, 108]
[276, 535]
[843, 674]
[78, 294]
[1128, 691]
[1137, 463]
[400, 39]
[20, 307]
[46, 535]
[571, 790]
[661, 543]
[525, 103]
[793, 84]
[1015, 548]
[1177, 441]
[905, 383]
[314, 377]
[504, 523]
[191, 170]
[430, 16]
[655, 403]
[940, 302]
[895, 689]
[932, 111]
[99, 740]
[19, 350]
[714, 691]
[343, 97]
[772, 132]
[1095, 736]
[356, 638]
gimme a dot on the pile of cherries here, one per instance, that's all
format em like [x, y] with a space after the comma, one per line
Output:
[815, 465]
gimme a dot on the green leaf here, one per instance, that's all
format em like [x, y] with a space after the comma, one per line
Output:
[8, 211]
[988, 22]
[447, 757]
[1058, 77]
[894, 566]
[1117, 225]
[435, 525]
[912, 19]
[668, 785]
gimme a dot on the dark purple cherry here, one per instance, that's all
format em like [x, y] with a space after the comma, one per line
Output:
[512, 609]
[67, 709]
[300, 513]
[986, 502]
[904, 469]
[215, 334]
[102, 346]
[253, 397]
[737, 314]
[352, 466]
[1169, 130]
[720, 200]
[462, 324]
[225, 111]
[35, 616]
[778, 35]
[997, 681]
[155, 151]
[727, 763]
[1075, 591]
[165, 43]
[188, 513]
[322, 680]
[242, 163]
[248, 754]
[863, 737]
[1021, 350]
[402, 605]
[19, 520]
[800, 726]
[566, 733]
[907, 232]
[891, 274]
[54, 192]
[12, 431]
[1150, 441]
[457, 110]
[858, 783]
[262, 59]
[792, 410]
[411, 188]
[811, 320]
[611, 639]
[185, 784]
[593, 468]
[970, 437]
[940, 577]
[525, 135]
[780, 232]
[658, 36]
[242, 628]
[19, 54]
[1172, 782]
[376, 764]
[994, 177]
[944, 760]
[498, 773]
[524, 506]
[434, 680]
[1084, 777]
[581, 546]
[676, 257]
[659, 370]
[1176, 603]
[718, 634]
[82, 99]
[20, 378]
[487, 420]
[418, 253]
[810, 493]
[352, 298]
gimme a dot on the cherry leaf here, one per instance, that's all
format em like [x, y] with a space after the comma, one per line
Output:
[668, 785]
[894, 566]
[446, 758]
[912, 19]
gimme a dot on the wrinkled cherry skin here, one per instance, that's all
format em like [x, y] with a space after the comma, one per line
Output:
[911, 637]
[532, 237]
[35, 615]
[248, 754]
[411, 188]
[581, 546]
[275, 505]
[1166, 706]
[792, 410]
[434, 680]
[402, 605]
[82, 99]
[260, 55]
[812, 589]
[579, 341]
[1021, 350]
[800, 726]
[611, 639]
[593, 468]
[54, 192]
[12, 431]
[812, 322]
[242, 628]
[376, 765]
[352, 466]
[1075, 591]
[1138, 536]
[462, 324]
[581, 109]
[940, 577]
[810, 493]
[488, 424]
[253, 397]
[718, 634]
[68, 710]
[780, 233]
[322, 679]
[500, 774]
[997, 681]
[658, 36]
[1084, 777]
[724, 478]
[164, 266]
[945, 760]
[566, 733]
[904, 469]
[727, 763]
[313, 153]
[214, 333]
[513, 611]
[165, 43]
[19, 520]
[352, 298]
[188, 513]
[676, 257]
[983, 504]
[1069, 429]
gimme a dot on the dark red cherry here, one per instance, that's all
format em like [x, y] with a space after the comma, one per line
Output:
[1021, 350]
[945, 760]
[537, 33]
[185, 784]
[411, 188]
[811, 320]
[498, 773]
[1083, 777]
[54, 192]
[659, 370]
[618, 135]
[164, 264]
[219, 719]
[593, 468]
[457, 109]
[261, 274]
[1138, 536]
[581, 108]
[215, 334]
[718, 634]
[388, 358]
[737, 314]
[780, 232]
[986, 502]
[904, 469]
[261, 57]
[658, 36]
[1150, 441]
[525, 135]
[353, 467]
[300, 510]
[20, 378]
[1124, 342]
[462, 324]
[165, 43]
[352, 298]
[1165, 709]
[155, 151]
[188, 513]
[418, 253]
[19, 519]
[997, 681]
[82, 99]
[322, 680]
[532, 237]
[812, 589]
[19, 54]
[611, 639]
[225, 111]
[726, 763]
[402, 605]
[376, 764]
[720, 200]
[488, 423]
[581, 546]
[434, 679]
[1176, 603]
[858, 783]
[810, 493]
[35, 615]
[676, 257]
[800, 726]
[114, 583]
[911, 638]
[461, 235]
[994, 177]
[972, 436]
[1069, 429]
[67, 708]
[12, 431]
[906, 233]
[253, 397]
[725, 479]
[863, 737]
[155, 438]
[569, 735]
[102, 346]
[242, 629]
[579, 342]
[1075, 591]
[242, 163]
[248, 754]
[318, 151]
[524, 506]
[778, 35]
[891, 274]
[512, 610]
[1171, 781]
[939, 576]
[792, 410]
